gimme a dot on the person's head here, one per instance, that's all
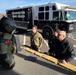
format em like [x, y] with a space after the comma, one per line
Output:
[56, 32]
[7, 25]
[34, 29]
[61, 35]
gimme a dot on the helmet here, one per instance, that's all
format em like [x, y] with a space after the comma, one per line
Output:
[7, 25]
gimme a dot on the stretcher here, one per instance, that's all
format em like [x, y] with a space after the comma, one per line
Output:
[50, 58]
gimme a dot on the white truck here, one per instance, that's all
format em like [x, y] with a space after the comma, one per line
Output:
[48, 17]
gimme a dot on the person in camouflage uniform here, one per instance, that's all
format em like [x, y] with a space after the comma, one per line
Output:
[6, 43]
[36, 39]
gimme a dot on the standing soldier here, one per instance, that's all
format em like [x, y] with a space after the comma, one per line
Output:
[7, 26]
[36, 39]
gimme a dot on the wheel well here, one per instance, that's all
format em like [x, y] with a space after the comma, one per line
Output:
[48, 27]
[47, 31]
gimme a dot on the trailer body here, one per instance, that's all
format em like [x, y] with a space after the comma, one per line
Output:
[48, 17]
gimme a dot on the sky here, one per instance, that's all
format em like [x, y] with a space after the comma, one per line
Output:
[10, 4]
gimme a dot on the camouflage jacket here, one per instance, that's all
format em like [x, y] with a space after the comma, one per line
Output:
[6, 46]
[36, 39]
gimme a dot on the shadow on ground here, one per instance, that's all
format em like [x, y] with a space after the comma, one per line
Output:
[49, 65]
[8, 72]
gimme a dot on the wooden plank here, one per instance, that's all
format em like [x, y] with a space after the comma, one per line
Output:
[40, 54]
[69, 66]
[50, 58]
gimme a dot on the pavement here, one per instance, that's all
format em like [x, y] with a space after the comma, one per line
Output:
[39, 67]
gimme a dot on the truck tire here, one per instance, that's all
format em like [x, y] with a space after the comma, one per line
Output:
[47, 32]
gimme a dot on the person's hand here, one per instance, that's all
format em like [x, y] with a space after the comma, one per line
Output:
[63, 61]
[39, 49]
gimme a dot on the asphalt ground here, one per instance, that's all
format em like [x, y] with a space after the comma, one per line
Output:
[39, 67]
